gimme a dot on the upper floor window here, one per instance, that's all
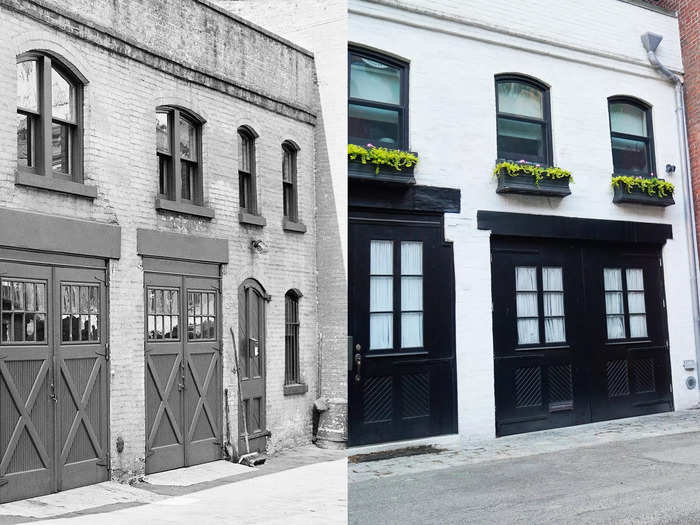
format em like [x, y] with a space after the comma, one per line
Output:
[178, 146]
[523, 120]
[378, 100]
[49, 122]
[289, 181]
[631, 137]
[246, 171]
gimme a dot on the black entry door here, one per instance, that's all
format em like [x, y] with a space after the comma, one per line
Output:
[402, 378]
[579, 333]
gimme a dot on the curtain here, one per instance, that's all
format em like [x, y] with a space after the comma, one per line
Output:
[525, 278]
[411, 293]
[528, 331]
[518, 98]
[554, 330]
[381, 331]
[381, 258]
[372, 80]
[638, 325]
[411, 329]
[616, 327]
[629, 119]
[635, 279]
[612, 278]
[411, 258]
[526, 305]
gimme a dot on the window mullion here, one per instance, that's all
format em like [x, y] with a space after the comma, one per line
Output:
[174, 144]
[44, 151]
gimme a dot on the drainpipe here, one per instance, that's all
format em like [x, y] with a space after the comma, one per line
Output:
[651, 42]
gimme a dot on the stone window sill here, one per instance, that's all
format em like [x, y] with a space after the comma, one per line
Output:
[293, 226]
[248, 218]
[56, 184]
[184, 208]
[295, 389]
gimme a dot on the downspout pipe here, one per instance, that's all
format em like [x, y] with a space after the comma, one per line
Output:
[651, 42]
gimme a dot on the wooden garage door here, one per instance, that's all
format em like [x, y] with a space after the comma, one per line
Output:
[53, 379]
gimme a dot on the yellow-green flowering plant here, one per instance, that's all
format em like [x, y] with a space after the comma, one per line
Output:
[649, 185]
[520, 168]
[380, 157]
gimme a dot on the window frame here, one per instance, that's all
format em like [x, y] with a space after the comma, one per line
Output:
[42, 175]
[173, 200]
[402, 107]
[292, 367]
[624, 268]
[251, 207]
[546, 122]
[290, 206]
[649, 139]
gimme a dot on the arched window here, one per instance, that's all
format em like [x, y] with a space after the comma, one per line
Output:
[289, 181]
[178, 146]
[292, 375]
[377, 100]
[631, 137]
[49, 121]
[523, 120]
[246, 171]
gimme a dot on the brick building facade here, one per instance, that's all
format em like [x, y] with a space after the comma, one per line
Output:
[78, 403]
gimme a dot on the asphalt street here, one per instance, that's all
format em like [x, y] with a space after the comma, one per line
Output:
[655, 480]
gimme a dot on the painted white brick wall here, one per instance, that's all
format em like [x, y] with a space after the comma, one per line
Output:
[453, 128]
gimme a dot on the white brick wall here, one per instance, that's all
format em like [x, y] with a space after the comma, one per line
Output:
[453, 128]
[120, 102]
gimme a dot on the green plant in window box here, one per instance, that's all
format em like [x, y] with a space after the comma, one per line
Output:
[381, 157]
[536, 171]
[650, 185]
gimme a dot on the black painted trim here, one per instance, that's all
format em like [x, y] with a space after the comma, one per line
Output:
[179, 246]
[48, 233]
[555, 227]
[404, 198]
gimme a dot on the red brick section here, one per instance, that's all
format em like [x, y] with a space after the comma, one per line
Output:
[689, 21]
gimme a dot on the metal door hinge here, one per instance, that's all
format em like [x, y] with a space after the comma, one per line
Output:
[3, 481]
[104, 462]
[108, 351]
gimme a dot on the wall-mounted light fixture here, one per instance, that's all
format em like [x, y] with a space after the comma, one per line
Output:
[258, 246]
[670, 168]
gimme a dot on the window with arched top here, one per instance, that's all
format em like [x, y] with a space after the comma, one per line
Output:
[49, 121]
[289, 182]
[523, 119]
[292, 374]
[247, 184]
[178, 146]
[631, 137]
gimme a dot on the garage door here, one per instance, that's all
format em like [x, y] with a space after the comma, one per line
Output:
[579, 333]
[53, 377]
[183, 366]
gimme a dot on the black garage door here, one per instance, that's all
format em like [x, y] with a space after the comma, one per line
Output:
[53, 375]
[579, 333]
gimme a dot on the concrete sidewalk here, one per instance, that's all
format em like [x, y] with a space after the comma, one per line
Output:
[304, 485]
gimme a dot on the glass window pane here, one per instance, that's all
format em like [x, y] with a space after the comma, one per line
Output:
[6, 327]
[629, 155]
[628, 119]
[635, 279]
[613, 303]
[521, 139]
[526, 304]
[94, 300]
[26, 137]
[28, 85]
[62, 97]
[381, 297]
[372, 125]
[41, 297]
[528, 331]
[29, 328]
[6, 296]
[162, 132]
[411, 329]
[552, 279]
[411, 293]
[74, 299]
[411, 258]
[381, 331]
[525, 278]
[84, 303]
[287, 160]
[554, 330]
[30, 300]
[553, 304]
[612, 279]
[518, 98]
[373, 80]
[381, 258]
[188, 139]
[175, 301]
[638, 325]
[616, 326]
[245, 145]
[61, 147]
[17, 296]
[187, 172]
[635, 302]
[40, 320]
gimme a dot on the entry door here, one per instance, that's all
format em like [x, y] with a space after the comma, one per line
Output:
[183, 371]
[579, 333]
[54, 409]
[252, 361]
[402, 377]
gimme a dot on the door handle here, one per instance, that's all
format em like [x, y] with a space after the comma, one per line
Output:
[52, 393]
[358, 367]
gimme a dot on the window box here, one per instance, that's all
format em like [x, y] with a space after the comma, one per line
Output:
[251, 219]
[642, 191]
[184, 208]
[295, 389]
[522, 180]
[357, 170]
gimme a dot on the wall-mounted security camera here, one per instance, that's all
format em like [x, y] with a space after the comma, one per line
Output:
[670, 168]
[258, 246]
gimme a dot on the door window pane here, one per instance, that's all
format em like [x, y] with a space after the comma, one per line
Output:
[526, 305]
[201, 315]
[636, 302]
[553, 302]
[378, 126]
[22, 311]
[518, 98]
[381, 326]
[614, 305]
[162, 311]
[62, 97]
[28, 85]
[375, 81]
[411, 294]
[628, 119]
[80, 313]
